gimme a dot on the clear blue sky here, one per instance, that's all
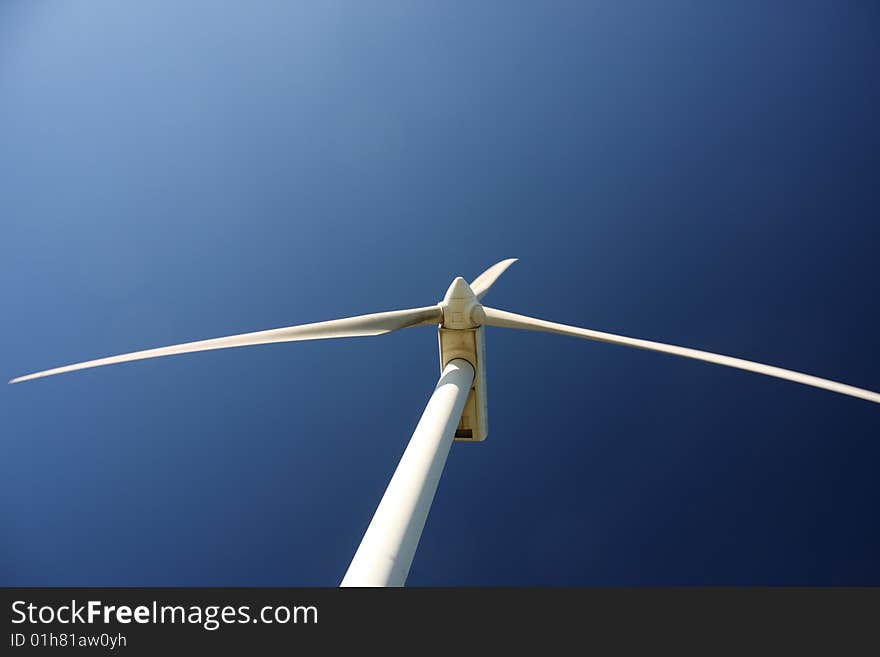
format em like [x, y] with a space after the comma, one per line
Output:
[706, 174]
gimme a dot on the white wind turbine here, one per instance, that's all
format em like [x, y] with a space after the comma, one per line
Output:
[457, 409]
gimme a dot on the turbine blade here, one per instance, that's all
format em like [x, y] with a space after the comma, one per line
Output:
[484, 281]
[506, 319]
[349, 327]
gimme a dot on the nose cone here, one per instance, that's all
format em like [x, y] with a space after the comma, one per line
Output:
[459, 305]
[459, 290]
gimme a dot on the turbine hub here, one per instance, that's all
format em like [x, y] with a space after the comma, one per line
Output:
[461, 309]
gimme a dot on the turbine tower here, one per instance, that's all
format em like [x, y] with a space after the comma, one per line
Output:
[456, 411]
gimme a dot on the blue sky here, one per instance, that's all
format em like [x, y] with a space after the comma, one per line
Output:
[705, 174]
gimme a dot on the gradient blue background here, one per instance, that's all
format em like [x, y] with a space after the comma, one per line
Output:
[706, 174]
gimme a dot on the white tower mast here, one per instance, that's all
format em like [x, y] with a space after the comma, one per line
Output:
[389, 544]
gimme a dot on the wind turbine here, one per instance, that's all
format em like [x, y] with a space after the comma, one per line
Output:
[457, 409]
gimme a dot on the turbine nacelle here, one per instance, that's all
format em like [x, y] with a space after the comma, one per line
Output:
[462, 336]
